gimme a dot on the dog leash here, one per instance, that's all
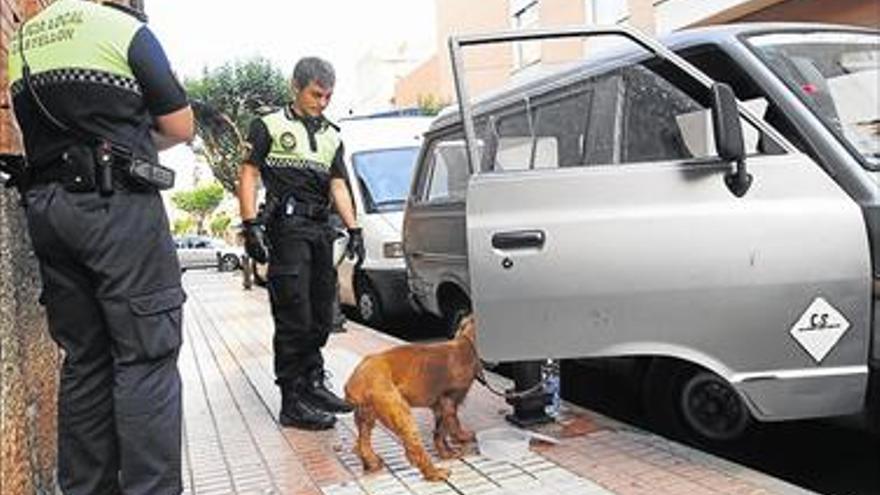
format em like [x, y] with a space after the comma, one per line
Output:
[509, 395]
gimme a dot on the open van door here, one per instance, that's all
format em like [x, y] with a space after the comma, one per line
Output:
[618, 234]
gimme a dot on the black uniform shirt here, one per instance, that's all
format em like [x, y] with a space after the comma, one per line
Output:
[119, 113]
[307, 185]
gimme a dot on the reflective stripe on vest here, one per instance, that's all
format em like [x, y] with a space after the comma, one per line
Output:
[290, 144]
[74, 40]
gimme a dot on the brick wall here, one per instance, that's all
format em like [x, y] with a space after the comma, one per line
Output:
[28, 358]
[423, 82]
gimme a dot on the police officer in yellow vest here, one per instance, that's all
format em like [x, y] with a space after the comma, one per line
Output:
[95, 99]
[298, 154]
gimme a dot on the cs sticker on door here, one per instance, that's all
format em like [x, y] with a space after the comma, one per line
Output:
[819, 329]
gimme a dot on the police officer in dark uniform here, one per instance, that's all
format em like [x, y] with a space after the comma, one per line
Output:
[299, 156]
[95, 99]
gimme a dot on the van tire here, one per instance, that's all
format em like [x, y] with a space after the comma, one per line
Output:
[369, 306]
[691, 403]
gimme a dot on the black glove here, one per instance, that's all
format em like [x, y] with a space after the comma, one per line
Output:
[255, 244]
[355, 247]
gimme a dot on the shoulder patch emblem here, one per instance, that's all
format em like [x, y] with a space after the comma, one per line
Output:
[288, 141]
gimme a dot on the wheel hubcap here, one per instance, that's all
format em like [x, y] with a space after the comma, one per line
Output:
[712, 408]
[366, 306]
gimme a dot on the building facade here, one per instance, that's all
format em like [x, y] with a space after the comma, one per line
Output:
[377, 71]
[29, 360]
[491, 67]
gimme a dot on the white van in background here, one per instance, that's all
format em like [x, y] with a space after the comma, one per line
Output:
[380, 154]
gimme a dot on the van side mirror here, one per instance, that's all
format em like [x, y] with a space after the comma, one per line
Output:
[729, 138]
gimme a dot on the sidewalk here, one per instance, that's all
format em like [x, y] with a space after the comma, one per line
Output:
[233, 445]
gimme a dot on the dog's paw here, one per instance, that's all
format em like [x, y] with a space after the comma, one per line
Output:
[436, 474]
[372, 466]
[465, 436]
[449, 453]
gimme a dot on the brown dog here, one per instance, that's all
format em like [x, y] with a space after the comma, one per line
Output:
[386, 385]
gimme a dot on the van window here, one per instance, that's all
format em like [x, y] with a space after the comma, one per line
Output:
[837, 75]
[448, 171]
[384, 177]
[513, 133]
[652, 128]
[513, 136]
[712, 60]
[561, 122]
[545, 133]
[630, 114]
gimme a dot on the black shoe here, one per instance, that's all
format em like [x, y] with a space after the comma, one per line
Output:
[317, 394]
[299, 413]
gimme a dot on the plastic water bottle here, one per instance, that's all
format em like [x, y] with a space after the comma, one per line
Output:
[550, 377]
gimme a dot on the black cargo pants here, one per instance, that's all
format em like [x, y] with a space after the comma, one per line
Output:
[111, 287]
[302, 287]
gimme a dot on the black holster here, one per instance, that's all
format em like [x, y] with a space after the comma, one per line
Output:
[99, 167]
[269, 209]
[76, 171]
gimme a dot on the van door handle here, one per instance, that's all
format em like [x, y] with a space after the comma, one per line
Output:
[519, 239]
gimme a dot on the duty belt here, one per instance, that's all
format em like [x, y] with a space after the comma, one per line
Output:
[291, 207]
[81, 174]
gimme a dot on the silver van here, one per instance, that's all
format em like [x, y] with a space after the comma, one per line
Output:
[629, 206]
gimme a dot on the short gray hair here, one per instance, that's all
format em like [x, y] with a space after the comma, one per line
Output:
[316, 69]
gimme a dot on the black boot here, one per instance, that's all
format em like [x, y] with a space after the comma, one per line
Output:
[300, 413]
[318, 395]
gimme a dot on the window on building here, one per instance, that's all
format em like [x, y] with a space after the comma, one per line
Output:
[610, 11]
[525, 16]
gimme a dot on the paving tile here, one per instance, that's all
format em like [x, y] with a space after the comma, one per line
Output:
[345, 488]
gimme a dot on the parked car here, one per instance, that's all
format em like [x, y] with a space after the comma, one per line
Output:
[381, 152]
[629, 206]
[195, 251]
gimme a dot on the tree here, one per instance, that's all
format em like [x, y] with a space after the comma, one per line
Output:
[430, 104]
[225, 101]
[199, 202]
[219, 224]
[183, 226]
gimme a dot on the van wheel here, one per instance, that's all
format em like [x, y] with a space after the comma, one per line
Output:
[368, 304]
[690, 402]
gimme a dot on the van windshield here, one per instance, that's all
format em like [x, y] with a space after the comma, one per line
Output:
[837, 74]
[384, 177]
